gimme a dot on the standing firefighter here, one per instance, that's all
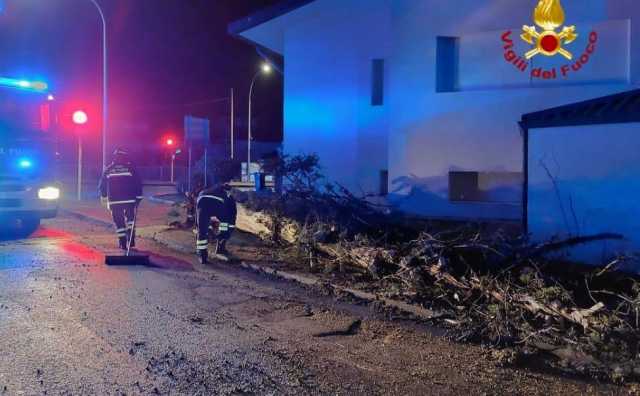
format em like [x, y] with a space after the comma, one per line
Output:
[215, 202]
[120, 185]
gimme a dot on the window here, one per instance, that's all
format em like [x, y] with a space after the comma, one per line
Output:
[377, 82]
[447, 50]
[494, 187]
[384, 182]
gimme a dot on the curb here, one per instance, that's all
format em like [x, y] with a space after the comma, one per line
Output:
[86, 218]
[307, 280]
[178, 247]
[158, 199]
[419, 312]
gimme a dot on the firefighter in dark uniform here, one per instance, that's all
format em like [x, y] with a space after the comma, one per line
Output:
[121, 186]
[215, 202]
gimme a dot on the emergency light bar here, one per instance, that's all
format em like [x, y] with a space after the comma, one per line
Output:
[38, 86]
[25, 163]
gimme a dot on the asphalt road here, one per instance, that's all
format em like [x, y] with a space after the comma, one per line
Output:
[71, 325]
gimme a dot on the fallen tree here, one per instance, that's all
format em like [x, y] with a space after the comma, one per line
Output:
[488, 286]
[505, 293]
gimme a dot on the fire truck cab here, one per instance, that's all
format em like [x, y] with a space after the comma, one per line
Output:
[28, 188]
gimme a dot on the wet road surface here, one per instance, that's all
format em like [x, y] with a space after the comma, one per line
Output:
[71, 325]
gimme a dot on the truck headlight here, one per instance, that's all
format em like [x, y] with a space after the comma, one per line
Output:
[49, 193]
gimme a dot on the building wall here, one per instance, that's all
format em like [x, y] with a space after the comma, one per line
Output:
[476, 128]
[421, 135]
[328, 108]
[585, 180]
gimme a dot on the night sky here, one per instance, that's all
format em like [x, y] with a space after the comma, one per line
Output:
[165, 55]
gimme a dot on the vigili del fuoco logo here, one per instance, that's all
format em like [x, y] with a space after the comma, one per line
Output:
[554, 39]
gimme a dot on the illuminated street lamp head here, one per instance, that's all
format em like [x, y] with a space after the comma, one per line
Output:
[266, 68]
[50, 97]
[170, 142]
[80, 117]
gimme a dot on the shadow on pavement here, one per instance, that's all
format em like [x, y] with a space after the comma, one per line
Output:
[159, 261]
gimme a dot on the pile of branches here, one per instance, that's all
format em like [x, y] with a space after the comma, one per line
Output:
[303, 199]
[501, 291]
[489, 287]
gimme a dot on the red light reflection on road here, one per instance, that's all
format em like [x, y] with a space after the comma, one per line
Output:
[81, 252]
[108, 276]
[44, 232]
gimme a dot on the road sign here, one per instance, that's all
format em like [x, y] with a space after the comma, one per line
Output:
[196, 129]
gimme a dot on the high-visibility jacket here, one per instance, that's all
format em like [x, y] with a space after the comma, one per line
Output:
[120, 184]
[220, 204]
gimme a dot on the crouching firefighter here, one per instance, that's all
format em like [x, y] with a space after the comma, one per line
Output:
[121, 186]
[215, 206]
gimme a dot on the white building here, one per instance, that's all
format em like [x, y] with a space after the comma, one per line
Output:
[425, 96]
[582, 173]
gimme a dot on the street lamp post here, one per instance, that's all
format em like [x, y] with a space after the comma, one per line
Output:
[105, 94]
[79, 118]
[169, 143]
[173, 161]
[266, 69]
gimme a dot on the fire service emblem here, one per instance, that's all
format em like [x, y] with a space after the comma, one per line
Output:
[549, 15]
[549, 41]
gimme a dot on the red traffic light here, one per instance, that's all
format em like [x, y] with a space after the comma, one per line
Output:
[169, 140]
[80, 117]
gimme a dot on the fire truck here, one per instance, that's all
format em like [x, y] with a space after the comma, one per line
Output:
[28, 188]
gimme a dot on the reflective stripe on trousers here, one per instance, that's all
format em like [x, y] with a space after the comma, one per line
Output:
[109, 176]
[202, 244]
[129, 201]
[112, 203]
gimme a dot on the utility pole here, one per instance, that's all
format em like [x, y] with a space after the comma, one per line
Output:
[79, 168]
[232, 121]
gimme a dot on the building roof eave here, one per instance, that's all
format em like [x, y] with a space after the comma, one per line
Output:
[613, 109]
[265, 15]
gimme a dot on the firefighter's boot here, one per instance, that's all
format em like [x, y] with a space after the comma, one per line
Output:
[204, 256]
[222, 248]
[122, 242]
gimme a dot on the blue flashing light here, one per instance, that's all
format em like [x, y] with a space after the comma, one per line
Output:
[37, 86]
[25, 163]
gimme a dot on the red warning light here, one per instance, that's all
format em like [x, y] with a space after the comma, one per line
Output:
[80, 117]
